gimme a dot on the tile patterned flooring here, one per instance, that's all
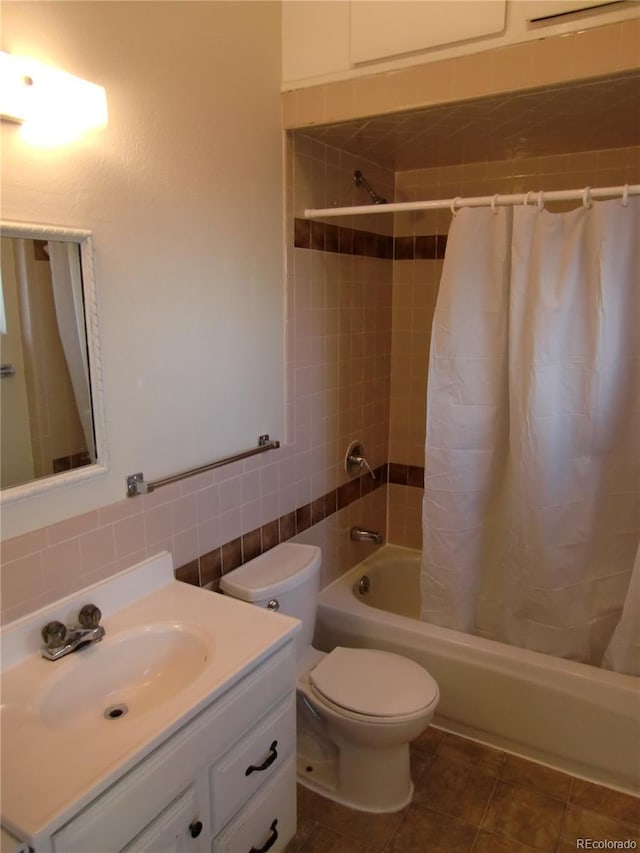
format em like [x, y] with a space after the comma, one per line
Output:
[470, 798]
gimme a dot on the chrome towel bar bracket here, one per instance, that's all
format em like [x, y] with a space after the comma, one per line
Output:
[137, 485]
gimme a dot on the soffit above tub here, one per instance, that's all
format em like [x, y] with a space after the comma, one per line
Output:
[553, 120]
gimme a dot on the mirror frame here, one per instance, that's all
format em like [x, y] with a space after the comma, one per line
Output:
[84, 239]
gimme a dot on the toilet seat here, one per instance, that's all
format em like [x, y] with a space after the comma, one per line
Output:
[320, 701]
[372, 683]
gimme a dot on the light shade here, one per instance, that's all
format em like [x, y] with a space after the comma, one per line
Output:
[53, 106]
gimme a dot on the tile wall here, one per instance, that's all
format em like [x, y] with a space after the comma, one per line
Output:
[201, 521]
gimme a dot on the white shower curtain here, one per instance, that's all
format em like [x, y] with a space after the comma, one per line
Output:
[531, 511]
[66, 281]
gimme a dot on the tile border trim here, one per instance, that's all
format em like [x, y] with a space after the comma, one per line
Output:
[209, 568]
[406, 475]
[325, 237]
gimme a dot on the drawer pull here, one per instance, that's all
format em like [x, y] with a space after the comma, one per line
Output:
[271, 840]
[195, 828]
[273, 754]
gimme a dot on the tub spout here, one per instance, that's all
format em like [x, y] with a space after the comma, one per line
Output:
[361, 534]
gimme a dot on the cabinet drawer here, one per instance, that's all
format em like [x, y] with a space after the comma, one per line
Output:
[252, 762]
[268, 820]
[174, 829]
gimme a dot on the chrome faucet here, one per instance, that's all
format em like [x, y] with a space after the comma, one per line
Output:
[361, 534]
[354, 460]
[61, 640]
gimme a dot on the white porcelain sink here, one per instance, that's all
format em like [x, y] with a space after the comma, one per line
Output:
[130, 673]
[169, 650]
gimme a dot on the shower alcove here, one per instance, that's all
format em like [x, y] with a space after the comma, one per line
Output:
[364, 287]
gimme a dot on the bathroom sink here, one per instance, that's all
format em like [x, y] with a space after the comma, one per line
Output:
[129, 673]
[72, 726]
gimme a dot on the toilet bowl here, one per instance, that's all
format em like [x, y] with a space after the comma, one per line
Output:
[373, 703]
[358, 709]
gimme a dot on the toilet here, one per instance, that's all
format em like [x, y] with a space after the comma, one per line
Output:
[358, 709]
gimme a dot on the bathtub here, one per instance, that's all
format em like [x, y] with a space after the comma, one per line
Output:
[577, 718]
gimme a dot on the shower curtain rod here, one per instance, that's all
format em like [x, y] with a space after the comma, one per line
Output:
[533, 198]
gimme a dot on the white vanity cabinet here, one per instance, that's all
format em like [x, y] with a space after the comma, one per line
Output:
[224, 782]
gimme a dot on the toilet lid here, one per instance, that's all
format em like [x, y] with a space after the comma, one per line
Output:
[372, 682]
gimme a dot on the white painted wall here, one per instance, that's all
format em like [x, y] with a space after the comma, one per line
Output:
[321, 43]
[183, 192]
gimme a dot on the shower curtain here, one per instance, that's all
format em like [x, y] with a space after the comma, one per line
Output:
[66, 281]
[531, 511]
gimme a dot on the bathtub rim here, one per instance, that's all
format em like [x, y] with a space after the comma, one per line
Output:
[332, 595]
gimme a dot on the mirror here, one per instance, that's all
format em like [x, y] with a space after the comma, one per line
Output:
[51, 417]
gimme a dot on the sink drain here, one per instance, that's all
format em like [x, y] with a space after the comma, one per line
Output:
[114, 712]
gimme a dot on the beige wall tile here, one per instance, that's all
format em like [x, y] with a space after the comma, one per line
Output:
[430, 83]
[551, 61]
[62, 569]
[97, 549]
[405, 516]
[473, 75]
[512, 68]
[310, 106]
[594, 51]
[22, 546]
[289, 109]
[22, 580]
[628, 48]
[340, 101]
[374, 95]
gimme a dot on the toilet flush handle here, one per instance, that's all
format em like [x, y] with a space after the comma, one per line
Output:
[273, 604]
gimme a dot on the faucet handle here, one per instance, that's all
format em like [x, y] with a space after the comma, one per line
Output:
[54, 634]
[354, 460]
[89, 616]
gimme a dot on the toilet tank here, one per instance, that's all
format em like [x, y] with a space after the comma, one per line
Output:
[288, 574]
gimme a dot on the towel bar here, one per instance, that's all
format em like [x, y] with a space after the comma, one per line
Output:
[137, 485]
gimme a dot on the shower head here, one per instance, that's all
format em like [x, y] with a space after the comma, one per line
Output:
[360, 181]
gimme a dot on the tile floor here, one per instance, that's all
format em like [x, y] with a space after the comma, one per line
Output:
[470, 797]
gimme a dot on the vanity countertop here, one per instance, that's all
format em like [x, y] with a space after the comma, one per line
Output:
[59, 751]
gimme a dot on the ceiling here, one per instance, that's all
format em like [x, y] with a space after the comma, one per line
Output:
[600, 114]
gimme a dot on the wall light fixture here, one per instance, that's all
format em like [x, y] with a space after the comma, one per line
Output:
[53, 106]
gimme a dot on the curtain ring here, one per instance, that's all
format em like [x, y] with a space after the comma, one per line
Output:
[527, 197]
[540, 201]
[493, 204]
[586, 197]
[453, 204]
[625, 195]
